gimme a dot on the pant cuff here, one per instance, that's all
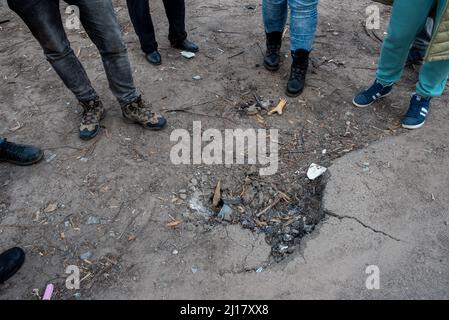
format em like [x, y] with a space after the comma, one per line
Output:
[124, 101]
[384, 83]
[177, 39]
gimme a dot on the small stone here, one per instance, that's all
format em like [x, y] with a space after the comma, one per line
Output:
[308, 228]
[183, 196]
[287, 237]
[194, 269]
[283, 248]
[226, 213]
[194, 182]
[196, 77]
[252, 110]
[175, 252]
[234, 201]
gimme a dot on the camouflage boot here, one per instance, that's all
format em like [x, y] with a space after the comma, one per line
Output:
[93, 113]
[140, 112]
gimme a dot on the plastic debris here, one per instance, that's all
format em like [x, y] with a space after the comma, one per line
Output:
[187, 54]
[48, 292]
[315, 171]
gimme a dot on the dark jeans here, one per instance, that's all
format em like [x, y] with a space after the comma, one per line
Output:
[422, 41]
[98, 18]
[139, 11]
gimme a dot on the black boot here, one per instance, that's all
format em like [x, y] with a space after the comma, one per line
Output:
[10, 263]
[298, 72]
[19, 154]
[273, 55]
[154, 58]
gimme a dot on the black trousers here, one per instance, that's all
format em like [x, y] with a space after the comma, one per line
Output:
[139, 11]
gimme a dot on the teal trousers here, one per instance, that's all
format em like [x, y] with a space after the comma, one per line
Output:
[408, 18]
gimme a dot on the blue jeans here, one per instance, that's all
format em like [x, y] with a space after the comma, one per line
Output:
[1, 141]
[303, 20]
[98, 18]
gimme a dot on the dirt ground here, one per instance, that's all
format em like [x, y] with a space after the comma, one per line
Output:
[109, 200]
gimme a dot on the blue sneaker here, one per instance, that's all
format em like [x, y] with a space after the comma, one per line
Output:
[370, 95]
[417, 112]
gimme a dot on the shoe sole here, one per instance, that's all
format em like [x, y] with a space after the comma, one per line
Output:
[127, 121]
[412, 127]
[270, 68]
[25, 164]
[367, 105]
[153, 63]
[293, 94]
[99, 128]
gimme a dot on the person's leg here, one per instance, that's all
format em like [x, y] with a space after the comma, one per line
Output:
[274, 18]
[176, 14]
[433, 75]
[405, 23]
[100, 22]
[431, 83]
[139, 12]
[421, 43]
[303, 23]
[274, 15]
[44, 21]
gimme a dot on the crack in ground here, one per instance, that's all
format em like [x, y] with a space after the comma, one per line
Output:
[341, 217]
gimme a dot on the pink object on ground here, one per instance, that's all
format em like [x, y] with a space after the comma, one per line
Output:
[48, 292]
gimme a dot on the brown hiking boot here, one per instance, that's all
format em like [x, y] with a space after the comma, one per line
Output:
[93, 113]
[140, 112]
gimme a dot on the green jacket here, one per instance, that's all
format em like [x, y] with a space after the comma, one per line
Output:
[439, 45]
